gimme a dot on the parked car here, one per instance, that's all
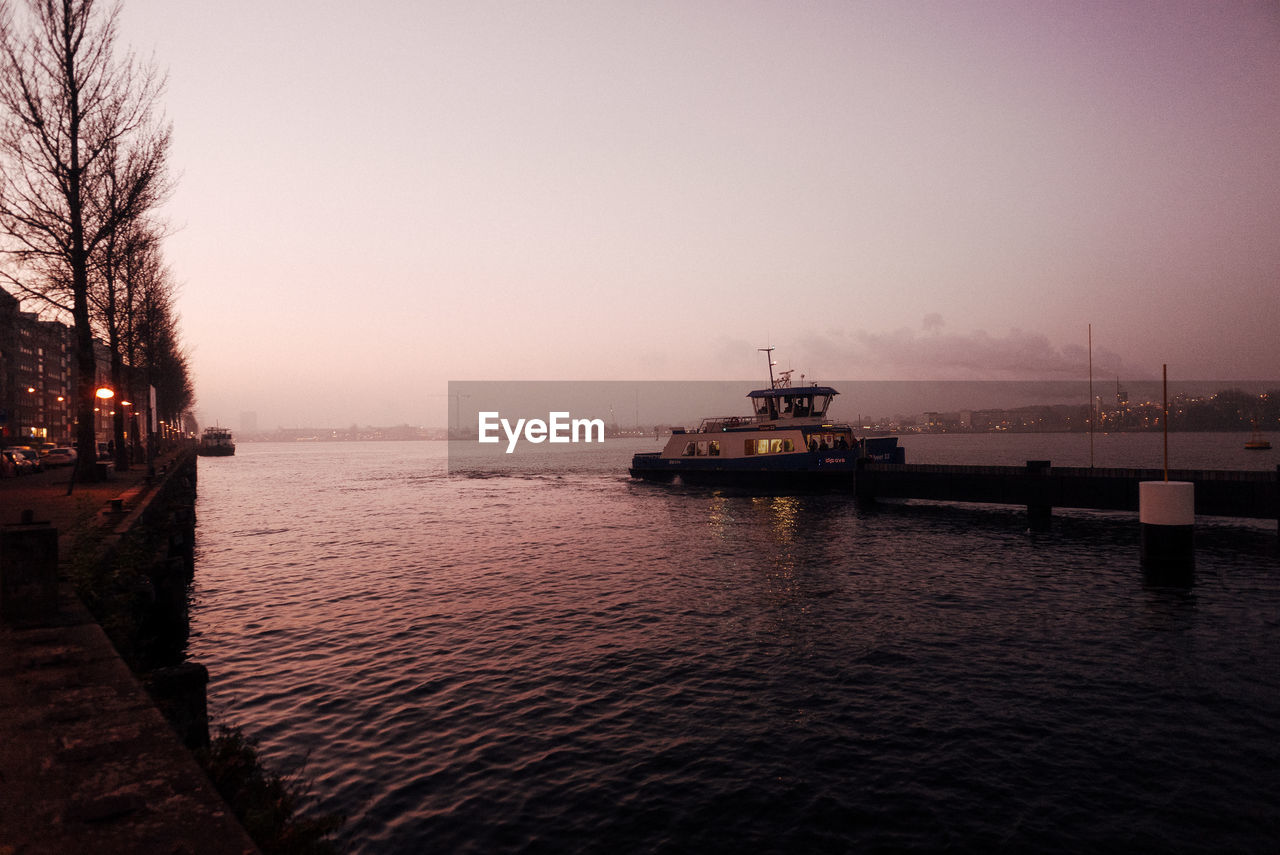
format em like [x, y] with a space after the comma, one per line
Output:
[30, 454]
[60, 457]
[18, 463]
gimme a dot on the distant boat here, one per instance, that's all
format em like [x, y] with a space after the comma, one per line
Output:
[1257, 442]
[216, 442]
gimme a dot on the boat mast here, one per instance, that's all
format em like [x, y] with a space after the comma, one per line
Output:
[768, 354]
[1091, 401]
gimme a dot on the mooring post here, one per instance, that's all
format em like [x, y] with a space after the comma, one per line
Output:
[1277, 500]
[1167, 512]
[28, 571]
[864, 490]
[1039, 508]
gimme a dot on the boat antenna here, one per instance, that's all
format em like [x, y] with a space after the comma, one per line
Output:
[768, 352]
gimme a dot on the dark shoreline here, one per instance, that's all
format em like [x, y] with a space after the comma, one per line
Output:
[106, 743]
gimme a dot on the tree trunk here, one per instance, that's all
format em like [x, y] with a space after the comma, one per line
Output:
[86, 383]
[117, 421]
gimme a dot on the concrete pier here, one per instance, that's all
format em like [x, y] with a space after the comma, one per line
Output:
[87, 761]
[1040, 487]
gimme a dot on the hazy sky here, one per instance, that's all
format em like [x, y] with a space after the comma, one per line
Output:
[378, 197]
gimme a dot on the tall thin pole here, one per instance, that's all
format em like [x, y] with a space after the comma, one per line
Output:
[768, 354]
[1091, 409]
[1164, 370]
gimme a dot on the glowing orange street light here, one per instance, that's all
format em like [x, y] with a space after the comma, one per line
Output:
[104, 394]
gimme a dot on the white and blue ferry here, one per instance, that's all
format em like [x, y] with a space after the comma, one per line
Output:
[786, 442]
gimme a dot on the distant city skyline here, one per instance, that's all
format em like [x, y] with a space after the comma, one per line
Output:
[375, 201]
[626, 405]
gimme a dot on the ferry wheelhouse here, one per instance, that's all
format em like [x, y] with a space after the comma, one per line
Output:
[787, 441]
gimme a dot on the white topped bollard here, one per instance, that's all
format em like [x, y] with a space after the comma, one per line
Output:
[1167, 512]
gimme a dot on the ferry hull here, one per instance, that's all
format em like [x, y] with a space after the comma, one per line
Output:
[825, 469]
[802, 471]
[751, 480]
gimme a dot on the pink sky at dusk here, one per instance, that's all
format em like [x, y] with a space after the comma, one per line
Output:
[377, 198]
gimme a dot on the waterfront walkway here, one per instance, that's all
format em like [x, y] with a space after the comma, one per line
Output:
[87, 762]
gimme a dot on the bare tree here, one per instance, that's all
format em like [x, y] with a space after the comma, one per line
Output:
[153, 345]
[117, 284]
[148, 339]
[71, 113]
[162, 356]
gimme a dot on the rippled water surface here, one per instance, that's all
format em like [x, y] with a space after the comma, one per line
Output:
[560, 659]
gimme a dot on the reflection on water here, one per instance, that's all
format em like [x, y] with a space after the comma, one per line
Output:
[565, 660]
[1170, 608]
[782, 512]
[719, 522]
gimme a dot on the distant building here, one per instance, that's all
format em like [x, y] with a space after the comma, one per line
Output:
[35, 376]
[38, 378]
[8, 367]
[988, 420]
[248, 422]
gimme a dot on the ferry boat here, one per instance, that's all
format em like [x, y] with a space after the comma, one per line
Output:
[1257, 442]
[787, 442]
[216, 442]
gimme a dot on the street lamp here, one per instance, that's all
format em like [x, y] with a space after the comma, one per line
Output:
[28, 423]
[104, 394]
[130, 423]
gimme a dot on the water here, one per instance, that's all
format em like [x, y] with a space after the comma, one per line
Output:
[561, 660]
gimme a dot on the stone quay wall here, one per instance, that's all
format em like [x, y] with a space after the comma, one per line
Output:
[88, 761]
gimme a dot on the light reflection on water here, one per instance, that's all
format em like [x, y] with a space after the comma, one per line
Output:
[565, 660]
